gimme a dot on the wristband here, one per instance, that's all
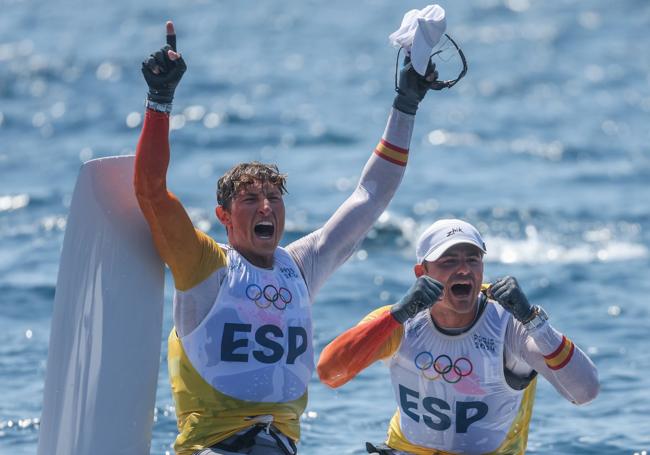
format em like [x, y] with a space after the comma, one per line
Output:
[159, 107]
[537, 319]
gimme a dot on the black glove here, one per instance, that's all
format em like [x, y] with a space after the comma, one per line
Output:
[412, 87]
[507, 292]
[162, 73]
[422, 295]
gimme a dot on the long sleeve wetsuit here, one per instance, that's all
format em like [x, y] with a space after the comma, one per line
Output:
[199, 266]
[187, 250]
[545, 350]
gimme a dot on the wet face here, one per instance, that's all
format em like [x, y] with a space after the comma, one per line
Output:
[460, 269]
[255, 222]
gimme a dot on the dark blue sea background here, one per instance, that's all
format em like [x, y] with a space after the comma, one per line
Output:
[544, 146]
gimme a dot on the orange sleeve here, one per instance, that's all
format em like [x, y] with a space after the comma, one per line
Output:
[177, 242]
[377, 337]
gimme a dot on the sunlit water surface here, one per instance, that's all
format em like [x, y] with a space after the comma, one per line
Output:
[544, 146]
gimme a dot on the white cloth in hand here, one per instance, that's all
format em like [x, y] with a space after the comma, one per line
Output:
[419, 33]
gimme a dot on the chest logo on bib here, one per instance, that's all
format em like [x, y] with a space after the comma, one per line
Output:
[443, 367]
[289, 273]
[269, 295]
[485, 343]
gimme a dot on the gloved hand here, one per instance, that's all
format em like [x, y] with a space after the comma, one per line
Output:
[412, 87]
[422, 295]
[163, 70]
[507, 292]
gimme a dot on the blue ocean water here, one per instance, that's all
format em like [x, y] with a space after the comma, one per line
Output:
[544, 146]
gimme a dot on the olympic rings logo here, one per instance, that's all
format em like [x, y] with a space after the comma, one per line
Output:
[269, 295]
[443, 367]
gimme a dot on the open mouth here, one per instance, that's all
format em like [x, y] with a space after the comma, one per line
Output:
[461, 290]
[264, 229]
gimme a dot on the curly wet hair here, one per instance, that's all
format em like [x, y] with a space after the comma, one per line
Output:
[245, 174]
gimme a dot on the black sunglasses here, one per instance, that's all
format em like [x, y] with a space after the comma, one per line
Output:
[436, 84]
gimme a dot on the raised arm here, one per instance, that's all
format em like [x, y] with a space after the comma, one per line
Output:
[531, 338]
[176, 240]
[321, 252]
[377, 336]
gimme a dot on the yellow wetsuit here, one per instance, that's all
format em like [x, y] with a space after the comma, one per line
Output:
[209, 407]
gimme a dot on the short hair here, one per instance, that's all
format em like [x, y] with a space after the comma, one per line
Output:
[245, 174]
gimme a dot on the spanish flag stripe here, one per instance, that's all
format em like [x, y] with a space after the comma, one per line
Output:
[390, 154]
[567, 360]
[562, 357]
[558, 350]
[394, 147]
[388, 149]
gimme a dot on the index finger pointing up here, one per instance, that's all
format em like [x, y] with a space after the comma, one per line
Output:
[171, 35]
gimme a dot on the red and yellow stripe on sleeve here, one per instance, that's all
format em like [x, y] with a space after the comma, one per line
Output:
[392, 153]
[561, 356]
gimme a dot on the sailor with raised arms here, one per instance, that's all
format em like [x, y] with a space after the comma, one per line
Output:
[241, 354]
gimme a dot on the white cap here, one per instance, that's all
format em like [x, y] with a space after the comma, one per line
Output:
[427, 34]
[419, 33]
[442, 235]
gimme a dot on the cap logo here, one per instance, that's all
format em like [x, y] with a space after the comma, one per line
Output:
[454, 231]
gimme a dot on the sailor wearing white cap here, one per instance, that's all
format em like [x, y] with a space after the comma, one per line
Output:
[463, 356]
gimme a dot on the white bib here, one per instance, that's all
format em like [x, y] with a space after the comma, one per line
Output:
[255, 344]
[451, 390]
